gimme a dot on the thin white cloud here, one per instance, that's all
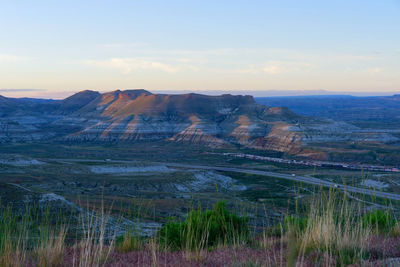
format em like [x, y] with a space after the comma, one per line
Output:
[125, 45]
[127, 65]
[366, 57]
[12, 58]
[252, 69]
[272, 69]
[20, 90]
[374, 70]
[272, 62]
[277, 67]
[207, 52]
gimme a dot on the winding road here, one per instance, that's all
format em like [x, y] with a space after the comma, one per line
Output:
[304, 179]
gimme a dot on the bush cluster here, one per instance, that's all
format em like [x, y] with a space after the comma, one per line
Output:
[379, 220]
[204, 229]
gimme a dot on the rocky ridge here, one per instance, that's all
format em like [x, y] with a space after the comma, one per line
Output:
[138, 115]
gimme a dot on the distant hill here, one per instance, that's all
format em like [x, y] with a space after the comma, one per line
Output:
[235, 121]
[359, 110]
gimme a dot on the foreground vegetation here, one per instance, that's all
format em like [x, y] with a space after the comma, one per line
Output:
[332, 231]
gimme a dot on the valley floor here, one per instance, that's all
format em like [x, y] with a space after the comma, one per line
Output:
[144, 188]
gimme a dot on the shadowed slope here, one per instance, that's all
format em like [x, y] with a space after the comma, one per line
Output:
[77, 101]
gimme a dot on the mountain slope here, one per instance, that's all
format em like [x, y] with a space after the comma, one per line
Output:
[76, 102]
[138, 115]
[366, 110]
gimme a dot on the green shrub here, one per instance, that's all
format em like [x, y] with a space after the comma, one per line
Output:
[128, 242]
[381, 221]
[296, 224]
[205, 229]
[293, 223]
[349, 255]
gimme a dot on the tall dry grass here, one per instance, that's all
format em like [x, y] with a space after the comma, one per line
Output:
[36, 237]
[14, 237]
[331, 233]
[94, 248]
[50, 249]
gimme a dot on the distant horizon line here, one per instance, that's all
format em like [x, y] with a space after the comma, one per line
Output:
[51, 94]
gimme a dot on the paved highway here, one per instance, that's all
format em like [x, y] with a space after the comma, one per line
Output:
[304, 179]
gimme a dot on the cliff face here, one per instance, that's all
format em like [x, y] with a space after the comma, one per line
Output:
[138, 115]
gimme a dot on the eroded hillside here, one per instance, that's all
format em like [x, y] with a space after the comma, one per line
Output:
[138, 115]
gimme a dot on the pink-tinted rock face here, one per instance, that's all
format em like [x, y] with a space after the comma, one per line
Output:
[138, 115]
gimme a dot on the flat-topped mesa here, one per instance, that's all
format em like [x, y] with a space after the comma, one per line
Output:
[138, 115]
[141, 102]
[135, 91]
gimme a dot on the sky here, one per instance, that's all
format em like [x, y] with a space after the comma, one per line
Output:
[54, 48]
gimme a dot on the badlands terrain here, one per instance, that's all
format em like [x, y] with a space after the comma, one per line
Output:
[128, 163]
[225, 121]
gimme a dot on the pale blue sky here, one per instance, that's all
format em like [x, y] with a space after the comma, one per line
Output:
[65, 46]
